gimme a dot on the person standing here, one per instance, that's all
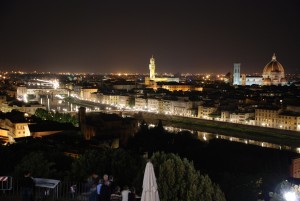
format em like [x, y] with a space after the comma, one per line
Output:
[131, 195]
[105, 189]
[27, 186]
[125, 193]
[99, 186]
[93, 187]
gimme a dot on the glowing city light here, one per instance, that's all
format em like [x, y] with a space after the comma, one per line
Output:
[290, 196]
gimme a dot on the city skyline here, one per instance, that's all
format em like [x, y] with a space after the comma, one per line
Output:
[112, 37]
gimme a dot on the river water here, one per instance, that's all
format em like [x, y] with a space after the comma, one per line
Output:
[206, 137]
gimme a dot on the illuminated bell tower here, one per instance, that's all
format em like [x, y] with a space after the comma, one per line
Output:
[236, 73]
[152, 68]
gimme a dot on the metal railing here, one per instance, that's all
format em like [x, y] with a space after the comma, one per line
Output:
[66, 191]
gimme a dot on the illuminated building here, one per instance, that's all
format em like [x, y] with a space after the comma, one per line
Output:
[289, 121]
[273, 74]
[183, 108]
[168, 83]
[85, 93]
[236, 73]
[140, 103]
[153, 104]
[177, 87]
[152, 79]
[21, 106]
[277, 118]
[205, 111]
[152, 68]
[266, 117]
[21, 92]
[240, 117]
[110, 99]
[295, 168]
[225, 116]
[123, 101]
[14, 128]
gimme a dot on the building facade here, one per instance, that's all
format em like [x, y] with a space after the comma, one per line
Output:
[277, 118]
[205, 111]
[273, 74]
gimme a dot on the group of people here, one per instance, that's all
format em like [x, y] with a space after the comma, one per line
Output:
[105, 190]
[99, 189]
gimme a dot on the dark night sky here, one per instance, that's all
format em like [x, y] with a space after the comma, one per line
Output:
[120, 36]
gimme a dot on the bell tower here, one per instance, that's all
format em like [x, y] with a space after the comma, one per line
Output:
[236, 73]
[152, 68]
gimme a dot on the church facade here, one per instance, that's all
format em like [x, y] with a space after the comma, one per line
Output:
[273, 74]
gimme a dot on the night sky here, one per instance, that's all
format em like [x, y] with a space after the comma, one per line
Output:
[120, 36]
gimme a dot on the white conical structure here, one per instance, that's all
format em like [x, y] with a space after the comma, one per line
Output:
[150, 192]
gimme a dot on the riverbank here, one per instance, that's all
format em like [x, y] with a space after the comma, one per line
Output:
[263, 134]
[257, 133]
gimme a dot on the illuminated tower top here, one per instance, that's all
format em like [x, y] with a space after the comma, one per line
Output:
[152, 68]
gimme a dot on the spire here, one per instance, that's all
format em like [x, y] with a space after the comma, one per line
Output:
[274, 57]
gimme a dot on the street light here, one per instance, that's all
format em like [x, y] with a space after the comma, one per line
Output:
[290, 196]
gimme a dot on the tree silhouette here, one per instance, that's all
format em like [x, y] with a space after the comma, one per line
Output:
[178, 180]
[37, 164]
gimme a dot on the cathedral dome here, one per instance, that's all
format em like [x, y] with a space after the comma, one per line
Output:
[273, 73]
[273, 67]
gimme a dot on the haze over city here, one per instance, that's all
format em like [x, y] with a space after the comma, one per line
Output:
[121, 36]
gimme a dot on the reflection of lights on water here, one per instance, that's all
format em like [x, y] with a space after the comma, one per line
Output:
[48, 103]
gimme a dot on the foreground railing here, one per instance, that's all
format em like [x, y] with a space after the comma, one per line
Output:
[65, 190]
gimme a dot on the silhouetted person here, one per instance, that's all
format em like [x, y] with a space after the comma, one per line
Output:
[27, 186]
[93, 182]
[131, 195]
[105, 189]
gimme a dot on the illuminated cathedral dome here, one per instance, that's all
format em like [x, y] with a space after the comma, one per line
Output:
[273, 66]
[273, 73]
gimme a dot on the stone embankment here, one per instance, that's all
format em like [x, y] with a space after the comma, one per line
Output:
[277, 136]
